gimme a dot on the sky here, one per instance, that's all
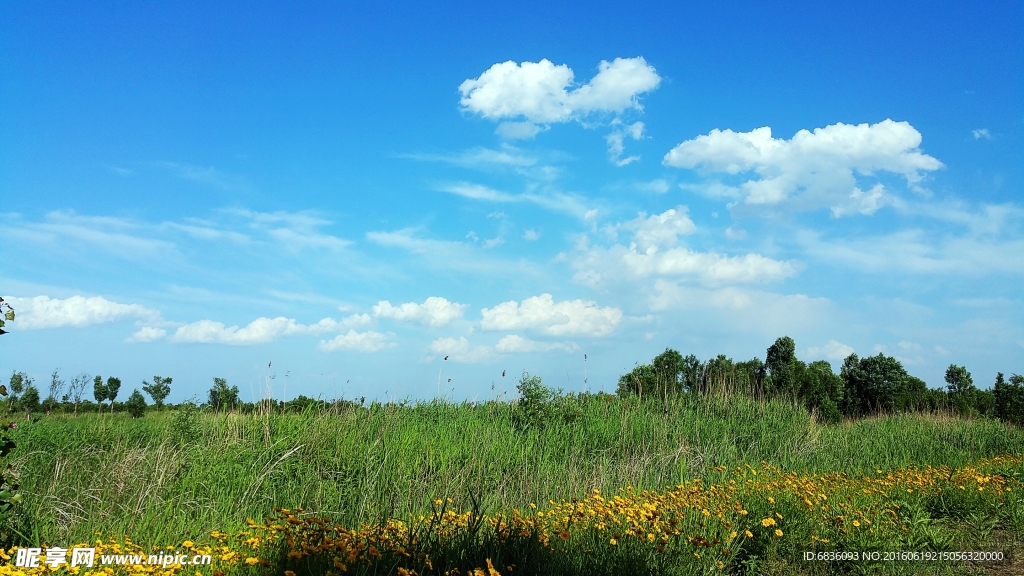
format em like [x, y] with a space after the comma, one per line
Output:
[331, 199]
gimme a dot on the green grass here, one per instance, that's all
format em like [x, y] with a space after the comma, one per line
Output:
[112, 474]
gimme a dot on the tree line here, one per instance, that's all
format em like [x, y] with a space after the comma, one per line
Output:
[71, 396]
[863, 387]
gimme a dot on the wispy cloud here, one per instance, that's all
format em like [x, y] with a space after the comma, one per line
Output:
[557, 202]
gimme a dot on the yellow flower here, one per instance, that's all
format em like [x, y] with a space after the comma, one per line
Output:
[613, 542]
[252, 561]
[289, 573]
[856, 523]
[771, 500]
[650, 537]
[768, 522]
[748, 533]
[778, 533]
[187, 544]
[564, 534]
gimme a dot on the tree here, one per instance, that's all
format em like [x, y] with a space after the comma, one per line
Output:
[136, 404]
[961, 389]
[18, 382]
[222, 397]
[56, 387]
[99, 391]
[871, 384]
[30, 400]
[1009, 399]
[158, 390]
[780, 363]
[77, 388]
[113, 385]
[821, 389]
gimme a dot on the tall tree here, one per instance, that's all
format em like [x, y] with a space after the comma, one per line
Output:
[961, 389]
[158, 390]
[113, 385]
[99, 391]
[1009, 398]
[781, 365]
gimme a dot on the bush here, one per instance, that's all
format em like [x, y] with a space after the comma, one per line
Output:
[534, 409]
[136, 404]
[185, 423]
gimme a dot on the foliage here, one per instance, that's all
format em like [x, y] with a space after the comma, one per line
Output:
[1009, 398]
[6, 315]
[158, 390]
[30, 400]
[185, 423]
[221, 397]
[113, 386]
[872, 384]
[136, 404]
[56, 387]
[99, 390]
[534, 408]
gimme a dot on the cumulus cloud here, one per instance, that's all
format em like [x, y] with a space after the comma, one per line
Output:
[513, 344]
[368, 341]
[460, 350]
[77, 311]
[653, 251]
[813, 169]
[260, 330]
[434, 311]
[555, 318]
[832, 350]
[531, 95]
[147, 334]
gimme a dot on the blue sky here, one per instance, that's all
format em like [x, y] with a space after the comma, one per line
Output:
[349, 194]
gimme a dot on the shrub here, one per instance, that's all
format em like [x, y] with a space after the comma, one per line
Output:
[534, 409]
[136, 404]
[185, 423]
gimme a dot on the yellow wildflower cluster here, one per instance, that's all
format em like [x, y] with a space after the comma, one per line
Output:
[708, 523]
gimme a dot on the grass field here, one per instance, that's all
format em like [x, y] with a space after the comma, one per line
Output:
[473, 476]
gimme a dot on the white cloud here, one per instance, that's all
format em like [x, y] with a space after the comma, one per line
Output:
[531, 235]
[981, 133]
[653, 252]
[460, 350]
[147, 334]
[813, 169]
[916, 251]
[517, 130]
[68, 231]
[616, 139]
[553, 201]
[659, 186]
[542, 93]
[435, 311]
[260, 330]
[556, 318]
[77, 311]
[369, 341]
[513, 344]
[832, 350]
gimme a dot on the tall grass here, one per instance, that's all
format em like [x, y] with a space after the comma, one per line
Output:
[148, 479]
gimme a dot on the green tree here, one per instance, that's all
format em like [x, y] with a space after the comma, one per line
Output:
[77, 388]
[821, 389]
[113, 386]
[30, 400]
[534, 408]
[781, 365]
[872, 384]
[1009, 398]
[221, 397]
[961, 389]
[99, 391]
[136, 404]
[17, 384]
[158, 390]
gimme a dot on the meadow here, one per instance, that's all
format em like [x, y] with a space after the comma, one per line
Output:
[597, 485]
